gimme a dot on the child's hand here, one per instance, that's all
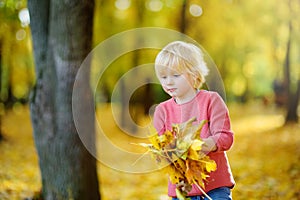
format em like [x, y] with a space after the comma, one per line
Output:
[208, 145]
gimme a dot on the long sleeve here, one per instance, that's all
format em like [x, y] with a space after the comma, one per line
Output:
[219, 123]
[159, 120]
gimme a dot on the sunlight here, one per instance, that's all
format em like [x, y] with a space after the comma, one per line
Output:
[154, 5]
[21, 34]
[239, 85]
[196, 10]
[122, 4]
[24, 17]
[258, 123]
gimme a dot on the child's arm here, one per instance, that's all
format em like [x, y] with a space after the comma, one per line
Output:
[221, 138]
[158, 120]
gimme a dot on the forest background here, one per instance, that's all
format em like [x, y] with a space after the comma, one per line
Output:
[254, 44]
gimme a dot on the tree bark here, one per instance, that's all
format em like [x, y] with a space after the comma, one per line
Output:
[293, 102]
[293, 95]
[183, 20]
[1, 136]
[62, 38]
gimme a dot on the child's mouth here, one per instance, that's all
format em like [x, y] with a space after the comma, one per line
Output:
[171, 90]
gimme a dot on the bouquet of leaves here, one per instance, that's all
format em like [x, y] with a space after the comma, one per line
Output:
[179, 153]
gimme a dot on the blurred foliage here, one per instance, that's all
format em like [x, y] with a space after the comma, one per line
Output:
[264, 158]
[246, 39]
[19, 173]
[16, 62]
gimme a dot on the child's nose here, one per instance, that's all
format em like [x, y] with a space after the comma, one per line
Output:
[169, 80]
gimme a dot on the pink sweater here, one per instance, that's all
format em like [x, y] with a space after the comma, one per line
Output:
[209, 106]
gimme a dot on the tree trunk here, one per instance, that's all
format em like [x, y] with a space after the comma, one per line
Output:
[293, 95]
[1, 136]
[183, 19]
[293, 101]
[62, 37]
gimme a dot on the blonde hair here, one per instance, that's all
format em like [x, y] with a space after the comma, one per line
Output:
[184, 57]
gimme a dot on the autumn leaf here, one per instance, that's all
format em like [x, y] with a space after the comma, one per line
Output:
[160, 141]
[210, 165]
[194, 150]
[175, 175]
[193, 172]
[185, 134]
[180, 149]
[197, 145]
[180, 195]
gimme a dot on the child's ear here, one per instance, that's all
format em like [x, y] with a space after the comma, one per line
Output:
[197, 82]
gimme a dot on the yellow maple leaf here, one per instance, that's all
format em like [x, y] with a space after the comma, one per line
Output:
[175, 175]
[210, 165]
[186, 133]
[193, 172]
[197, 145]
[160, 141]
[194, 150]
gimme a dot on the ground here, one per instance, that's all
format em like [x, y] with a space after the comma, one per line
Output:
[265, 158]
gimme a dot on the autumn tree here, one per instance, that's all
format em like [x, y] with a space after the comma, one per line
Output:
[1, 135]
[62, 37]
[293, 95]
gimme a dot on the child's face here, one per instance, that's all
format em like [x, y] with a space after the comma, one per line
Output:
[177, 84]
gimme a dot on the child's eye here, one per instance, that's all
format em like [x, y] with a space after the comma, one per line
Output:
[163, 77]
[176, 75]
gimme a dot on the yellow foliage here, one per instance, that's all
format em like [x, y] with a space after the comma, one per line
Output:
[264, 158]
[175, 175]
[161, 141]
[196, 145]
[193, 151]
[181, 149]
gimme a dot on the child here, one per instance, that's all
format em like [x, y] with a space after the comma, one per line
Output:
[181, 71]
